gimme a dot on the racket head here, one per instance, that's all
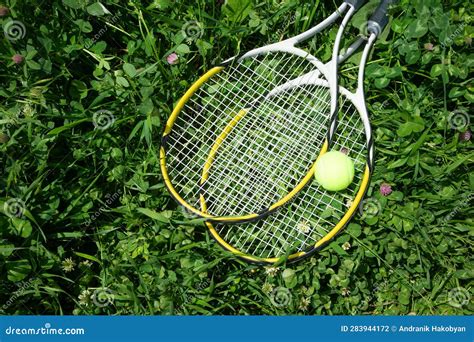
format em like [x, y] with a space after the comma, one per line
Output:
[205, 112]
[315, 216]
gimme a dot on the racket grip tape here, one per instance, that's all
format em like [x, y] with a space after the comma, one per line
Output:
[379, 18]
[355, 3]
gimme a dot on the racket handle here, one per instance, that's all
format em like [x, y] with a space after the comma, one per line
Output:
[379, 19]
[355, 3]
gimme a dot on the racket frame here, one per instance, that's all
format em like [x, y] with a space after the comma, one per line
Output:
[328, 70]
[375, 26]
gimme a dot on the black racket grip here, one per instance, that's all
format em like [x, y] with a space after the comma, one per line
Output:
[355, 3]
[379, 18]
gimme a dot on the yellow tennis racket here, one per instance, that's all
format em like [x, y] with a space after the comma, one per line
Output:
[235, 139]
[315, 215]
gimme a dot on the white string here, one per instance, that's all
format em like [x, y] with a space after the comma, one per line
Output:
[271, 236]
[296, 134]
[266, 154]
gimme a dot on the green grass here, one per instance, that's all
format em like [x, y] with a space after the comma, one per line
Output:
[89, 228]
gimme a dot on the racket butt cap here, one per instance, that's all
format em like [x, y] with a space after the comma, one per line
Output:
[379, 18]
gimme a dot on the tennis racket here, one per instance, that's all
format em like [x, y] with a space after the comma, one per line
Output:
[315, 215]
[232, 150]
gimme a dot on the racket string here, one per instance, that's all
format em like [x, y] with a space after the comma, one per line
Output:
[197, 153]
[263, 149]
[296, 138]
[209, 118]
[297, 146]
[269, 237]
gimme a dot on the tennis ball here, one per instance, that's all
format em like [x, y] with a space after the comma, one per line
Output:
[334, 171]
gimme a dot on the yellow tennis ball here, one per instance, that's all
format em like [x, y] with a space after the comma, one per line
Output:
[334, 171]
